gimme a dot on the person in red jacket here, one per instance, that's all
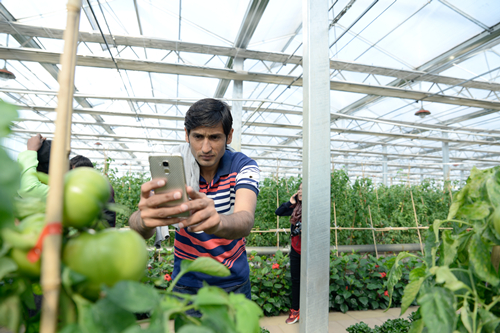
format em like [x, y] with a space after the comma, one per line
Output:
[293, 208]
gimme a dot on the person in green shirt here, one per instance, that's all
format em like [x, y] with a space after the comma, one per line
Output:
[36, 158]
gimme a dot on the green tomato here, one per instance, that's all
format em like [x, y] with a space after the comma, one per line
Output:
[86, 191]
[24, 266]
[106, 257]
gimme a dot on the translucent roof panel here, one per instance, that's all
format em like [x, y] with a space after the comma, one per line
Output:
[389, 61]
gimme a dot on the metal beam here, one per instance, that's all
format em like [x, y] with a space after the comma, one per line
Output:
[249, 23]
[335, 139]
[159, 67]
[52, 69]
[269, 125]
[315, 255]
[157, 43]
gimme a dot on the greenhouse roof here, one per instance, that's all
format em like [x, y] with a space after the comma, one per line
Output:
[142, 63]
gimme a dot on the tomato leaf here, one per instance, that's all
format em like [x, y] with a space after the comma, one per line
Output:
[493, 189]
[9, 114]
[211, 296]
[437, 306]
[7, 266]
[417, 273]
[488, 320]
[450, 246]
[395, 274]
[217, 318]
[417, 326]
[205, 265]
[465, 316]
[110, 318]
[9, 183]
[133, 296]
[480, 258]
[247, 313]
[411, 291]
[195, 329]
[10, 313]
[476, 211]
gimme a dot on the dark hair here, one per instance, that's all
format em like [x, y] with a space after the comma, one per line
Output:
[209, 112]
[80, 161]
[43, 156]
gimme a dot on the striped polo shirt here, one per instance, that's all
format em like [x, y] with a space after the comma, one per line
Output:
[235, 171]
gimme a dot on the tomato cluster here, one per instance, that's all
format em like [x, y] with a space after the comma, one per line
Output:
[102, 257]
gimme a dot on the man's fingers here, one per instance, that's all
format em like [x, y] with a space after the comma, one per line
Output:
[147, 187]
[152, 223]
[206, 225]
[199, 216]
[193, 194]
[161, 198]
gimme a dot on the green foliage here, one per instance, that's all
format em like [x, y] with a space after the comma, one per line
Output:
[458, 285]
[360, 283]
[390, 206]
[127, 192]
[9, 177]
[356, 282]
[398, 325]
[271, 285]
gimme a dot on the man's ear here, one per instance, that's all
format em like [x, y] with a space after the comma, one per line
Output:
[187, 135]
[229, 137]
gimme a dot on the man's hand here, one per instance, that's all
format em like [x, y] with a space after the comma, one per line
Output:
[153, 216]
[35, 142]
[203, 217]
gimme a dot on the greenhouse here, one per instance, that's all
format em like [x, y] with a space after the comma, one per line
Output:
[383, 111]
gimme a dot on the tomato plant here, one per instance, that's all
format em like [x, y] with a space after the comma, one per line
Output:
[458, 285]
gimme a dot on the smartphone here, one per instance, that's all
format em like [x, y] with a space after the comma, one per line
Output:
[172, 168]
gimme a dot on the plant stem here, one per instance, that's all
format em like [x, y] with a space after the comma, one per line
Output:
[177, 278]
[492, 304]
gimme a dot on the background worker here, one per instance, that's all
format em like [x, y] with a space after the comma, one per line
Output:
[293, 208]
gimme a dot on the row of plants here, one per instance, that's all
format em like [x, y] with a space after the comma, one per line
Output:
[398, 325]
[354, 204]
[357, 282]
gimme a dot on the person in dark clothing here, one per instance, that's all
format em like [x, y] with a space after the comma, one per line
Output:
[293, 208]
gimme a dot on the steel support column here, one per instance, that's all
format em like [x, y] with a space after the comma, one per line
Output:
[446, 158]
[384, 166]
[237, 108]
[314, 276]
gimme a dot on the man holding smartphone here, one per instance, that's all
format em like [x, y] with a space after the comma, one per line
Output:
[222, 205]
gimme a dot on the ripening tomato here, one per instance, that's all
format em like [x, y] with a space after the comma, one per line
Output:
[86, 191]
[106, 257]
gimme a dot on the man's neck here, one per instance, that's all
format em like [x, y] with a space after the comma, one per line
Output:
[208, 173]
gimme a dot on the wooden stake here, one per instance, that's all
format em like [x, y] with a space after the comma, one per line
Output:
[335, 221]
[51, 255]
[416, 222]
[373, 232]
